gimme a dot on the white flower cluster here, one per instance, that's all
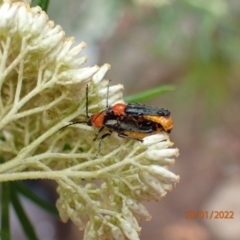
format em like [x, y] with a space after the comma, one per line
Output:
[126, 178]
[42, 87]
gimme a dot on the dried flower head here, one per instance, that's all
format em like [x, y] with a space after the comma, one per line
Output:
[43, 89]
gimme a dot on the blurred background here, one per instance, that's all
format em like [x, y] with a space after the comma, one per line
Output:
[195, 46]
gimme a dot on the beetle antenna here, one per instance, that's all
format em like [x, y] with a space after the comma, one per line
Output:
[107, 93]
[87, 101]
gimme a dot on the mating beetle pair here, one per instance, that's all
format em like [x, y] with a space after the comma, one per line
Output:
[134, 121]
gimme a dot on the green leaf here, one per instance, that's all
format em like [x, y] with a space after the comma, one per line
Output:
[21, 214]
[24, 190]
[42, 3]
[149, 94]
[67, 147]
[5, 228]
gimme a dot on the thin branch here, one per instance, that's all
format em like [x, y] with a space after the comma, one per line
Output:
[3, 66]
[39, 109]
[4, 61]
[27, 98]
[20, 75]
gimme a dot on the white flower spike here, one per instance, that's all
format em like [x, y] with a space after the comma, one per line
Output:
[43, 89]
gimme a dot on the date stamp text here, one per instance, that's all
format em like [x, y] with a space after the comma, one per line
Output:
[209, 214]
